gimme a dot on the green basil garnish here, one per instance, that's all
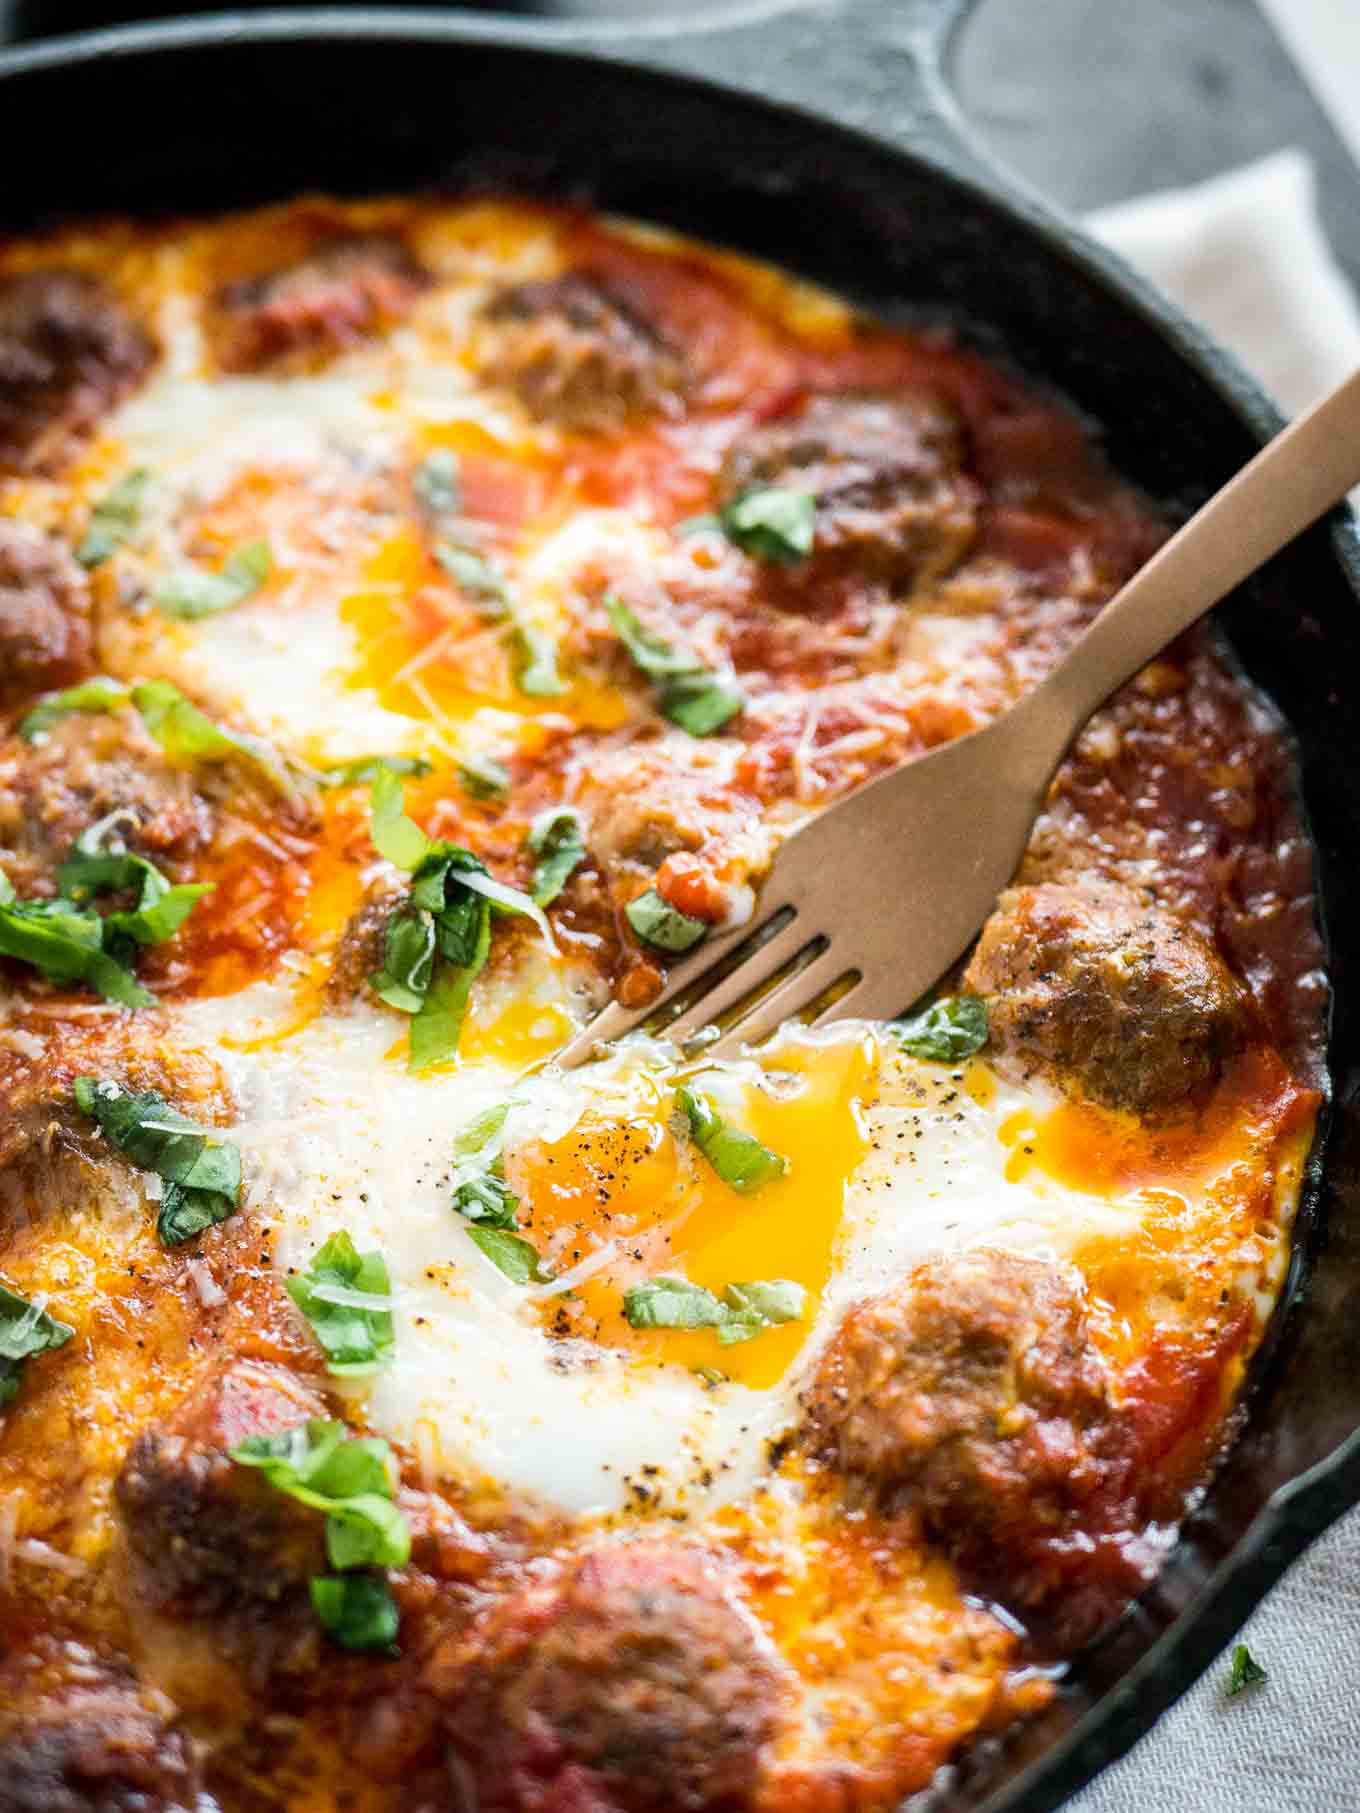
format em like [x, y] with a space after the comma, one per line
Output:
[483, 1197]
[194, 593]
[509, 1253]
[739, 1159]
[201, 1173]
[98, 695]
[436, 483]
[658, 923]
[25, 1330]
[483, 777]
[114, 518]
[533, 651]
[948, 1031]
[346, 1296]
[65, 943]
[349, 1478]
[183, 731]
[1245, 1671]
[556, 839]
[741, 1313]
[356, 1612]
[772, 523]
[452, 902]
[363, 768]
[187, 734]
[102, 864]
[688, 693]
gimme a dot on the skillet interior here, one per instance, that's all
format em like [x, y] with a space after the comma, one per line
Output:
[205, 117]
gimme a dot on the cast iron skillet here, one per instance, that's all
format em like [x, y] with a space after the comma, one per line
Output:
[228, 111]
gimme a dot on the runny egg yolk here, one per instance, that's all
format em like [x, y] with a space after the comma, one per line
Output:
[620, 1200]
[428, 653]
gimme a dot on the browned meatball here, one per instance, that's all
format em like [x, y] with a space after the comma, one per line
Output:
[68, 353]
[630, 1683]
[207, 1536]
[348, 292]
[577, 355]
[1112, 996]
[360, 950]
[970, 1391]
[44, 613]
[87, 766]
[95, 1750]
[893, 499]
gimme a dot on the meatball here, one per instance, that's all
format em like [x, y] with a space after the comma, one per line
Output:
[893, 499]
[87, 766]
[577, 355]
[1112, 996]
[350, 291]
[206, 1536]
[44, 613]
[68, 353]
[971, 1392]
[360, 950]
[631, 1682]
[95, 1750]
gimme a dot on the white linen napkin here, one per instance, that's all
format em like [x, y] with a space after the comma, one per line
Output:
[1245, 254]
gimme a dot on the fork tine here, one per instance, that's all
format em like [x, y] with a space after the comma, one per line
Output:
[783, 1002]
[757, 969]
[614, 1021]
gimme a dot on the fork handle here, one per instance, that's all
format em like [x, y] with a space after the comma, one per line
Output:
[1293, 481]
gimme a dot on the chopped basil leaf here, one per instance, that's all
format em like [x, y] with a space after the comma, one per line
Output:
[114, 518]
[349, 1478]
[533, 651]
[946, 1032]
[25, 1329]
[741, 1312]
[202, 1173]
[483, 777]
[98, 695]
[758, 1305]
[453, 888]
[102, 864]
[476, 576]
[408, 962]
[556, 840]
[364, 768]
[481, 1135]
[480, 1192]
[672, 1303]
[738, 1158]
[187, 734]
[394, 835]
[438, 1026]
[509, 1253]
[688, 693]
[701, 703]
[657, 922]
[698, 525]
[356, 1611]
[66, 943]
[194, 593]
[535, 661]
[772, 523]
[1245, 1671]
[436, 484]
[487, 1199]
[358, 1336]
